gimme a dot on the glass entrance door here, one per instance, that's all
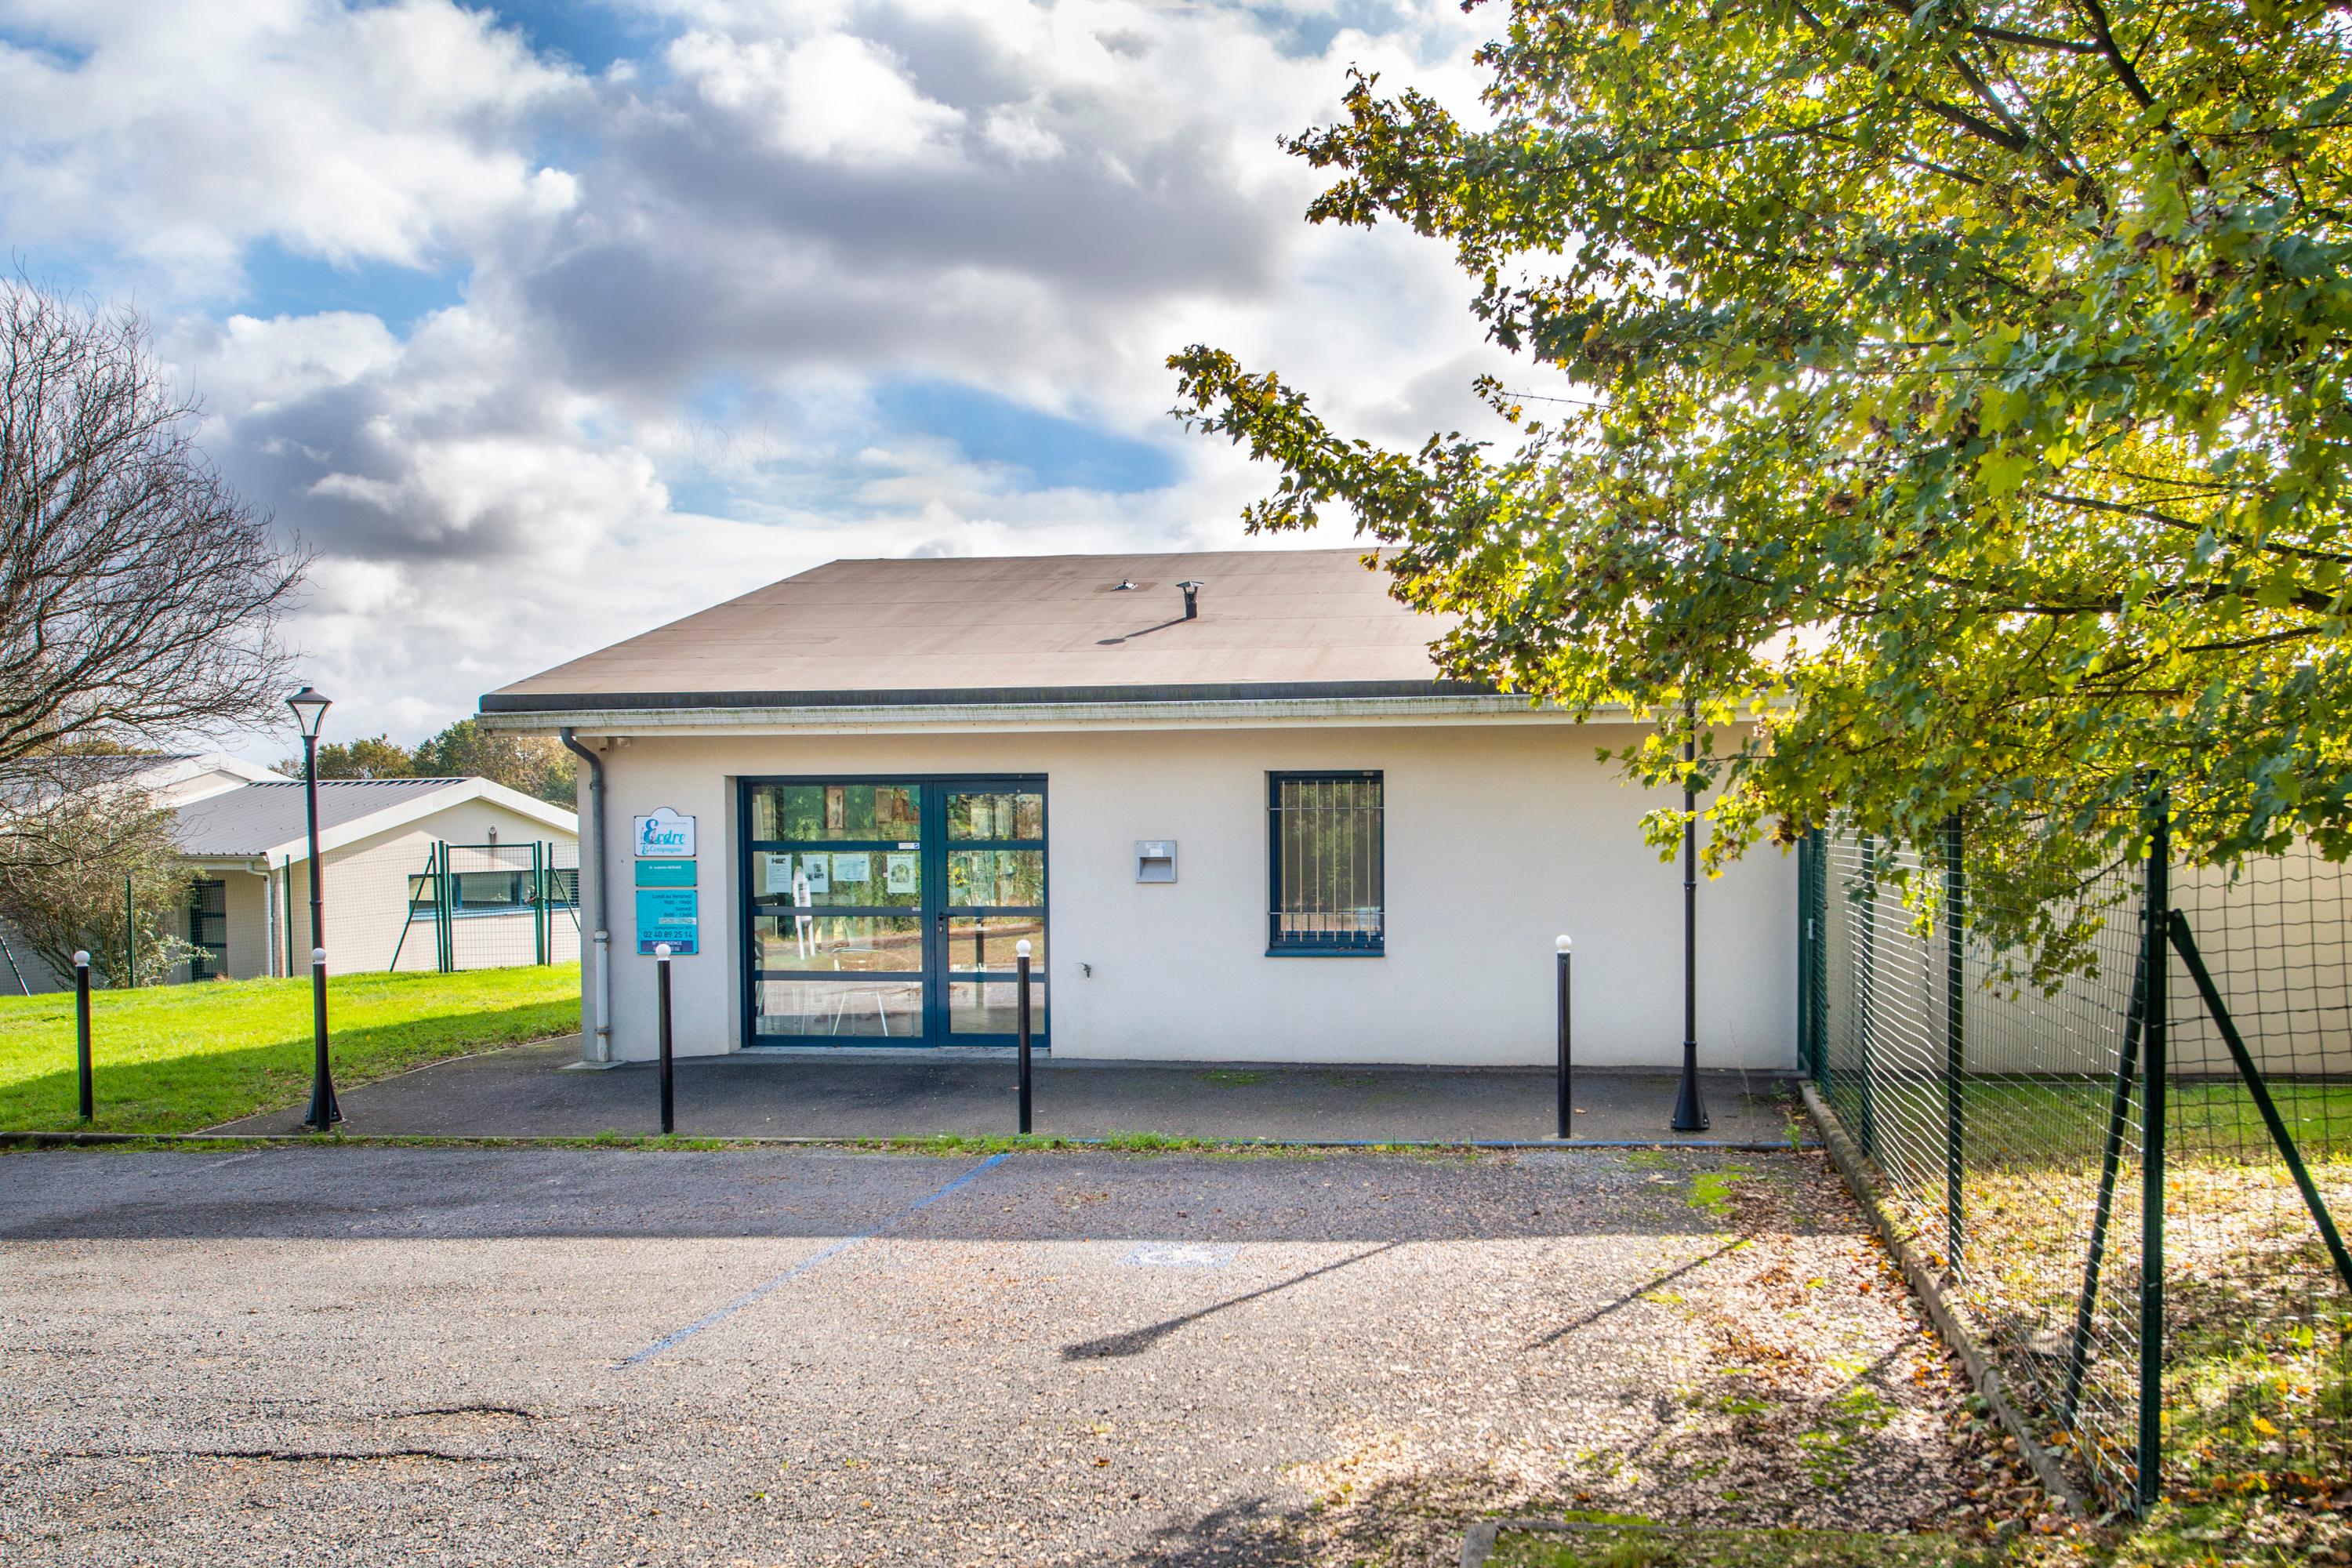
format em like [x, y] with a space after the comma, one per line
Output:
[995, 897]
[884, 911]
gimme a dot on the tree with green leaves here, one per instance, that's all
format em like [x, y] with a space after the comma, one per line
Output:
[536, 766]
[369, 757]
[1957, 390]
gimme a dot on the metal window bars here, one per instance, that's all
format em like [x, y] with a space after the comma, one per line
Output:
[1326, 877]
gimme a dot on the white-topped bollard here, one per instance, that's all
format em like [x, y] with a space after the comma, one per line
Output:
[324, 1112]
[1020, 1020]
[1566, 1110]
[661, 999]
[81, 1030]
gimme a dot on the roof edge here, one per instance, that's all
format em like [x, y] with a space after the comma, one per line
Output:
[506, 701]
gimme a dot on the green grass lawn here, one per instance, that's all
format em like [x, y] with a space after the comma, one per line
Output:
[173, 1058]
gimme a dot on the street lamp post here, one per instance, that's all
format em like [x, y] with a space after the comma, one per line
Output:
[309, 707]
[1690, 1111]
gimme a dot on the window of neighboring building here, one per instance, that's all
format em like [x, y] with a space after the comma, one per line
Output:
[1324, 870]
[473, 893]
[207, 929]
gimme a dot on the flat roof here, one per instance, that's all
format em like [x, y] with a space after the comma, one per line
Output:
[1028, 628]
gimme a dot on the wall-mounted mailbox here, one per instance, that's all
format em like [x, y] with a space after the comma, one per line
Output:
[1155, 859]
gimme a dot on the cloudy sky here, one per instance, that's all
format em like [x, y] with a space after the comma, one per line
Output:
[543, 323]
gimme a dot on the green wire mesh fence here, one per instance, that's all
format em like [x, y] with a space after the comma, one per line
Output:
[2057, 1137]
[490, 906]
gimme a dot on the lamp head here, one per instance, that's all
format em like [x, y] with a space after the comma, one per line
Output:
[1562, 945]
[309, 706]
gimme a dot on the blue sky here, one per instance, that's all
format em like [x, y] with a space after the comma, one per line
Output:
[627, 307]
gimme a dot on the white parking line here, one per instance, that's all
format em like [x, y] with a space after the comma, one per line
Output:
[765, 1286]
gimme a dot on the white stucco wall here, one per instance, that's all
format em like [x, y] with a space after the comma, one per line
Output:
[367, 898]
[1498, 837]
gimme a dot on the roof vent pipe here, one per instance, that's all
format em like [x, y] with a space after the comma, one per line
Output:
[1192, 599]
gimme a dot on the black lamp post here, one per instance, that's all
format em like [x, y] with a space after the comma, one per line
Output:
[309, 707]
[1690, 1114]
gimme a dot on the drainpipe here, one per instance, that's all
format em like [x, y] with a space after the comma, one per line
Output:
[600, 1044]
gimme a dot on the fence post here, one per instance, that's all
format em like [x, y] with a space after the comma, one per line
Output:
[1865, 996]
[1567, 1111]
[539, 897]
[661, 1000]
[444, 931]
[1805, 859]
[286, 903]
[2078, 1354]
[1955, 1034]
[81, 1031]
[1020, 1020]
[130, 939]
[2149, 1462]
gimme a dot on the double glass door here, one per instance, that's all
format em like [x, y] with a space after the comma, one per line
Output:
[885, 910]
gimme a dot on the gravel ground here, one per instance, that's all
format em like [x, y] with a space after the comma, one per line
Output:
[467, 1355]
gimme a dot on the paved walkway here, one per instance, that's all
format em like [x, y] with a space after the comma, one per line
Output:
[810, 1358]
[529, 1092]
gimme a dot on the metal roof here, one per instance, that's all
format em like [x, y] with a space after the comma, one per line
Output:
[1032, 629]
[267, 814]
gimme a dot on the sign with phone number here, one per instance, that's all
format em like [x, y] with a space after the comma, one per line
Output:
[666, 914]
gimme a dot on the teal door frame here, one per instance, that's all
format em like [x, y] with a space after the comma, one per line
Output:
[936, 914]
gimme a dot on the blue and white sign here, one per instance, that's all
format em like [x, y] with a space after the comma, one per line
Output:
[664, 833]
[667, 914]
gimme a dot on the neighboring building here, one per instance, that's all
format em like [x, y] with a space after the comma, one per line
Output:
[397, 853]
[393, 853]
[1265, 830]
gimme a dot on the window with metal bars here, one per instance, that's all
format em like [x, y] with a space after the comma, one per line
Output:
[1324, 863]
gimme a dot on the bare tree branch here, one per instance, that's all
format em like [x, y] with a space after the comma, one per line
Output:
[138, 594]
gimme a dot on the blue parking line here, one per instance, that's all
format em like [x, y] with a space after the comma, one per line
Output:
[766, 1286]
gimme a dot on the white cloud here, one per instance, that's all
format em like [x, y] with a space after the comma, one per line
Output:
[685, 283]
[184, 131]
[831, 98]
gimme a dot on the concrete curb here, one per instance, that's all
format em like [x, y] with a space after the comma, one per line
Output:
[1043, 1141]
[1926, 1284]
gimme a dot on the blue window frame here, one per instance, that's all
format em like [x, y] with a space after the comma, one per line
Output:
[474, 893]
[887, 910]
[1326, 877]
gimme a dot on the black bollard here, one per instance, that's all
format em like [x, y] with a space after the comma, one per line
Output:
[1565, 1109]
[1020, 1020]
[323, 1113]
[81, 1030]
[661, 993]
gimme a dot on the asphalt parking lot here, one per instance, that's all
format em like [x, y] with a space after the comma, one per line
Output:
[800, 1356]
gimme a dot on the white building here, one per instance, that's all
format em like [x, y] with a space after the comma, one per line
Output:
[1240, 819]
[417, 873]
